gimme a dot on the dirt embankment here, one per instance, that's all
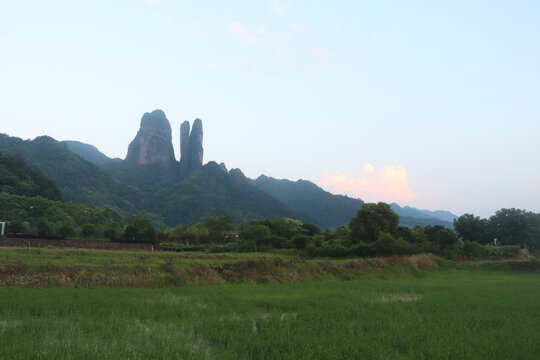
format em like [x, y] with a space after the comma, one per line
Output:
[41, 243]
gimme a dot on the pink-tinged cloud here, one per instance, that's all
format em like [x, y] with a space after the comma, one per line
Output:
[319, 53]
[236, 30]
[390, 184]
[262, 31]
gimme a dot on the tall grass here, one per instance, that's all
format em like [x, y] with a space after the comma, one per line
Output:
[453, 314]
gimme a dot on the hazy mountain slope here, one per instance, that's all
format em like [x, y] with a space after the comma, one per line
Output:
[329, 210]
[212, 191]
[424, 217]
[326, 209]
[412, 222]
[88, 152]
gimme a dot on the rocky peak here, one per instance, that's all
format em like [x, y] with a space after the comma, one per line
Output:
[195, 144]
[153, 142]
[191, 149]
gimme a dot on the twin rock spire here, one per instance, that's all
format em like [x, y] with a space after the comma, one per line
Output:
[153, 144]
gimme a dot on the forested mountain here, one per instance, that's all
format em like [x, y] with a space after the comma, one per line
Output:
[89, 152]
[17, 178]
[79, 180]
[151, 182]
[412, 217]
[208, 191]
[147, 189]
[327, 210]
[213, 191]
[408, 211]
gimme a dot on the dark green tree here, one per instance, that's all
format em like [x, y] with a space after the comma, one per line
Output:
[516, 227]
[43, 227]
[370, 220]
[15, 227]
[65, 230]
[110, 234]
[473, 228]
[89, 230]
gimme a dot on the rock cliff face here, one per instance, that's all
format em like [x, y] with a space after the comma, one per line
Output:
[153, 142]
[191, 149]
[195, 145]
[184, 147]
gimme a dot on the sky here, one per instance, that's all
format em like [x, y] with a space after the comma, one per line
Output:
[430, 104]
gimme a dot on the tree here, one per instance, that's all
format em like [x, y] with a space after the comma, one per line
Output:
[130, 232]
[446, 238]
[110, 234]
[15, 227]
[516, 227]
[43, 227]
[65, 230]
[371, 219]
[301, 241]
[472, 228]
[256, 234]
[217, 226]
[139, 228]
[89, 230]
[288, 228]
[311, 229]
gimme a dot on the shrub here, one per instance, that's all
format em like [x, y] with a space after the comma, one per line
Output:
[65, 230]
[43, 227]
[110, 234]
[15, 227]
[88, 230]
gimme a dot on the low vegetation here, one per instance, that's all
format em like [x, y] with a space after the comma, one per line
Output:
[453, 311]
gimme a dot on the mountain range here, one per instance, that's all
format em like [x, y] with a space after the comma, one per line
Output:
[152, 182]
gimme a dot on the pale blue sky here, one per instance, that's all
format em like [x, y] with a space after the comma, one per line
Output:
[442, 99]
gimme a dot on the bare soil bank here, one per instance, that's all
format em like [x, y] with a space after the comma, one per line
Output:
[41, 243]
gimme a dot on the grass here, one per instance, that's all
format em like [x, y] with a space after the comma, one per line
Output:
[400, 308]
[455, 314]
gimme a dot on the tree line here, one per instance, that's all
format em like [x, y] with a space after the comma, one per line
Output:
[374, 231]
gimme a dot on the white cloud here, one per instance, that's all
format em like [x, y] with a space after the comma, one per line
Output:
[389, 184]
[236, 30]
[279, 8]
[283, 53]
[301, 28]
[375, 37]
[213, 66]
[262, 31]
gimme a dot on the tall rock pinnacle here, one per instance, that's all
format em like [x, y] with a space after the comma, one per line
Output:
[153, 142]
[191, 149]
[195, 145]
[184, 147]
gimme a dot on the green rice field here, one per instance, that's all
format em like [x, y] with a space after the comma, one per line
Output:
[459, 312]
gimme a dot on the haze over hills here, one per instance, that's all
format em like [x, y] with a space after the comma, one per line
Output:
[88, 152]
[151, 181]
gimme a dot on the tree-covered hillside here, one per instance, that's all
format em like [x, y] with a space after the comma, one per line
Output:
[79, 180]
[211, 191]
[17, 178]
[88, 152]
[150, 190]
[327, 210]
